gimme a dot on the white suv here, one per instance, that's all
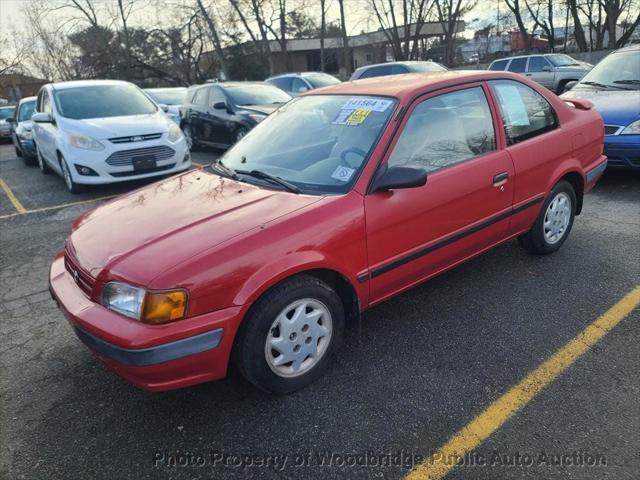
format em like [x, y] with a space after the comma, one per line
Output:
[104, 131]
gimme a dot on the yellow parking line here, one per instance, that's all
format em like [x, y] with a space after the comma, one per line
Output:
[55, 207]
[473, 434]
[12, 198]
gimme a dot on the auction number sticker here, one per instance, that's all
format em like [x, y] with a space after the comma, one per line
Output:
[343, 174]
[351, 117]
[375, 104]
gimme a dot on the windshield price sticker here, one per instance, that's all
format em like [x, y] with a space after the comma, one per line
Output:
[343, 174]
[375, 104]
[358, 116]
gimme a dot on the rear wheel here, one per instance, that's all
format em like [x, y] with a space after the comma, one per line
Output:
[18, 152]
[554, 222]
[290, 335]
[188, 136]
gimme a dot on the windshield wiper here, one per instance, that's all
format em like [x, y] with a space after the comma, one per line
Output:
[265, 176]
[220, 168]
[631, 81]
[603, 85]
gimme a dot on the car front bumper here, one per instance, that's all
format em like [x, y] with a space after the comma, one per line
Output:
[622, 150]
[153, 357]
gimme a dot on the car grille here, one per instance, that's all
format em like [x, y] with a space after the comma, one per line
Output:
[142, 172]
[124, 158]
[82, 278]
[136, 138]
[611, 129]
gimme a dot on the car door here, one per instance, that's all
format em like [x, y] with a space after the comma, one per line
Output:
[47, 131]
[539, 70]
[535, 143]
[464, 206]
[220, 121]
[196, 113]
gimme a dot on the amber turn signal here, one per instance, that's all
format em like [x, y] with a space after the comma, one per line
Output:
[163, 307]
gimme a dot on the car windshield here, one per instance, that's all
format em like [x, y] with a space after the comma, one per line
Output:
[256, 94]
[26, 110]
[620, 71]
[427, 67]
[169, 96]
[318, 80]
[101, 101]
[318, 143]
[562, 60]
[6, 113]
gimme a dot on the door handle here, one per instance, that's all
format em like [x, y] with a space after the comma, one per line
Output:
[500, 179]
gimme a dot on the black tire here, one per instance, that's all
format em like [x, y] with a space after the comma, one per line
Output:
[535, 241]
[18, 152]
[188, 135]
[561, 86]
[72, 186]
[249, 349]
[44, 167]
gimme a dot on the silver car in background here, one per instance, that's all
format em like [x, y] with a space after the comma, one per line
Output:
[296, 83]
[169, 99]
[551, 70]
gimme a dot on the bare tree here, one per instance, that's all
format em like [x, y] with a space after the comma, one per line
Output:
[450, 12]
[215, 38]
[542, 14]
[346, 69]
[323, 30]
[517, 10]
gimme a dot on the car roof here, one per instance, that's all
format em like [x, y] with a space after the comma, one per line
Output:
[629, 48]
[86, 83]
[404, 62]
[7, 107]
[407, 85]
[297, 74]
[158, 89]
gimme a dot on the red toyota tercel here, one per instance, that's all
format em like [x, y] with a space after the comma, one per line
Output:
[339, 200]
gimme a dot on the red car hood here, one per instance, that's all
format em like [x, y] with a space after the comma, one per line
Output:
[142, 234]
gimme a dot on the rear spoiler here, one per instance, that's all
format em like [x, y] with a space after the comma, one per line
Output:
[579, 103]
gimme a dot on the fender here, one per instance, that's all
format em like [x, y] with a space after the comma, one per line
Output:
[571, 165]
[288, 266]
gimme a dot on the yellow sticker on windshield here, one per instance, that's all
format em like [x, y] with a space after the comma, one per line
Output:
[358, 116]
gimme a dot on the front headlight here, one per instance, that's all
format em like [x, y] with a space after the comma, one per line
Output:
[175, 133]
[632, 129]
[147, 306]
[86, 143]
[256, 117]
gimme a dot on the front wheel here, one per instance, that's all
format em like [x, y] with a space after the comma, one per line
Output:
[240, 133]
[72, 186]
[290, 335]
[554, 222]
[188, 137]
[42, 163]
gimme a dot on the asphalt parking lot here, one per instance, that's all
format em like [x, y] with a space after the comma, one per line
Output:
[421, 367]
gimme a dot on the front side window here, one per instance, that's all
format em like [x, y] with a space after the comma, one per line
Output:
[537, 64]
[217, 96]
[525, 113]
[6, 113]
[26, 110]
[518, 65]
[46, 102]
[299, 85]
[283, 83]
[377, 71]
[322, 144]
[446, 130]
[101, 101]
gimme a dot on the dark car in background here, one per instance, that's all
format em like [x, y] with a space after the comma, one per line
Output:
[297, 83]
[21, 133]
[614, 88]
[5, 127]
[220, 114]
[169, 99]
[396, 68]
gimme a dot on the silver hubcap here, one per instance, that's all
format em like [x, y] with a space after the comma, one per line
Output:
[557, 217]
[298, 337]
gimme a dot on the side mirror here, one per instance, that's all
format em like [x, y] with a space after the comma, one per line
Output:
[220, 106]
[400, 177]
[42, 117]
[569, 85]
[546, 68]
[163, 107]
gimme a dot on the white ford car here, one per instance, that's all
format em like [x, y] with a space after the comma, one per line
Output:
[104, 131]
